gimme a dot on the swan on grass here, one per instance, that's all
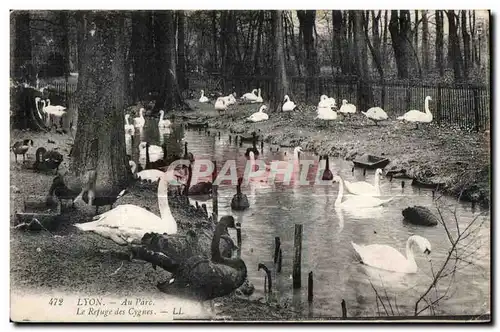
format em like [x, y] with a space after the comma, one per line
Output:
[230, 99]
[163, 123]
[128, 127]
[140, 121]
[385, 257]
[203, 98]
[376, 114]
[288, 104]
[347, 108]
[325, 102]
[259, 98]
[127, 224]
[250, 96]
[220, 104]
[356, 201]
[259, 116]
[326, 113]
[364, 188]
[418, 117]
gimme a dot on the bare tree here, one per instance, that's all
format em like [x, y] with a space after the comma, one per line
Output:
[439, 42]
[466, 41]
[21, 46]
[280, 86]
[365, 93]
[425, 42]
[307, 19]
[454, 54]
[181, 50]
[400, 27]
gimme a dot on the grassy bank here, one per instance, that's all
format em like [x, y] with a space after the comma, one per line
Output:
[432, 154]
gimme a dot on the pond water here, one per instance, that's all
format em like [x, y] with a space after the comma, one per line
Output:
[328, 232]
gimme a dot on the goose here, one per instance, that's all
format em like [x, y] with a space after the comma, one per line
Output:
[364, 188]
[162, 123]
[327, 173]
[250, 96]
[356, 201]
[128, 127]
[288, 104]
[220, 104]
[259, 116]
[347, 108]
[155, 151]
[140, 121]
[47, 160]
[417, 116]
[268, 274]
[259, 98]
[127, 224]
[21, 148]
[240, 200]
[420, 215]
[385, 257]
[376, 114]
[205, 279]
[203, 98]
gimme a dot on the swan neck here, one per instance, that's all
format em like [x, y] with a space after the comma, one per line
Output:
[338, 201]
[377, 182]
[409, 252]
[165, 213]
[327, 163]
[427, 110]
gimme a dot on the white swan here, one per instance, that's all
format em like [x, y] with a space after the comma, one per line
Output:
[259, 98]
[325, 102]
[127, 224]
[163, 123]
[288, 105]
[326, 113]
[259, 116]
[376, 114]
[417, 116]
[386, 257]
[37, 100]
[155, 151]
[128, 127]
[364, 188]
[220, 104]
[203, 98]
[250, 96]
[230, 99]
[140, 121]
[347, 108]
[356, 201]
[57, 110]
[174, 177]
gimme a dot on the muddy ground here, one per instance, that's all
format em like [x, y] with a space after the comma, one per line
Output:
[457, 160]
[64, 259]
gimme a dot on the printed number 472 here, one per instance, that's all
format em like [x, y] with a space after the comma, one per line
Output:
[55, 301]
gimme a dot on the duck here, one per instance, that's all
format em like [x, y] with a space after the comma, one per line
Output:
[220, 104]
[268, 274]
[250, 96]
[140, 121]
[376, 114]
[420, 215]
[163, 123]
[346, 108]
[288, 104]
[207, 278]
[240, 200]
[127, 223]
[416, 116]
[259, 116]
[364, 188]
[356, 201]
[155, 151]
[203, 98]
[129, 128]
[327, 173]
[22, 147]
[259, 98]
[47, 160]
[385, 257]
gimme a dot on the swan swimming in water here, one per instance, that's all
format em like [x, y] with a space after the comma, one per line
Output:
[163, 123]
[140, 121]
[386, 257]
[203, 98]
[356, 201]
[364, 188]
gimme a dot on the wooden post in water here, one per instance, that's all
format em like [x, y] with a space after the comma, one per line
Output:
[215, 202]
[344, 309]
[277, 246]
[310, 292]
[297, 245]
[280, 256]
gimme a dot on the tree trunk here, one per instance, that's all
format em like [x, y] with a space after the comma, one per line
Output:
[439, 42]
[64, 21]
[181, 50]
[466, 39]
[375, 48]
[338, 39]
[307, 20]
[256, 61]
[21, 44]
[399, 27]
[365, 93]
[425, 42]
[384, 34]
[280, 83]
[100, 142]
[454, 54]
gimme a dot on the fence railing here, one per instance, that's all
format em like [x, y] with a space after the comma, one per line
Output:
[463, 105]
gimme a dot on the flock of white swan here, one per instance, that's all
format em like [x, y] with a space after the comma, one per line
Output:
[326, 109]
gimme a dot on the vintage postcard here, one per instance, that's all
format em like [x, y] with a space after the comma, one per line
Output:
[257, 165]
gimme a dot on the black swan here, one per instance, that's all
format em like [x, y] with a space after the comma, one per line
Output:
[240, 200]
[47, 160]
[420, 215]
[188, 155]
[22, 148]
[327, 173]
[201, 188]
[269, 278]
[206, 279]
